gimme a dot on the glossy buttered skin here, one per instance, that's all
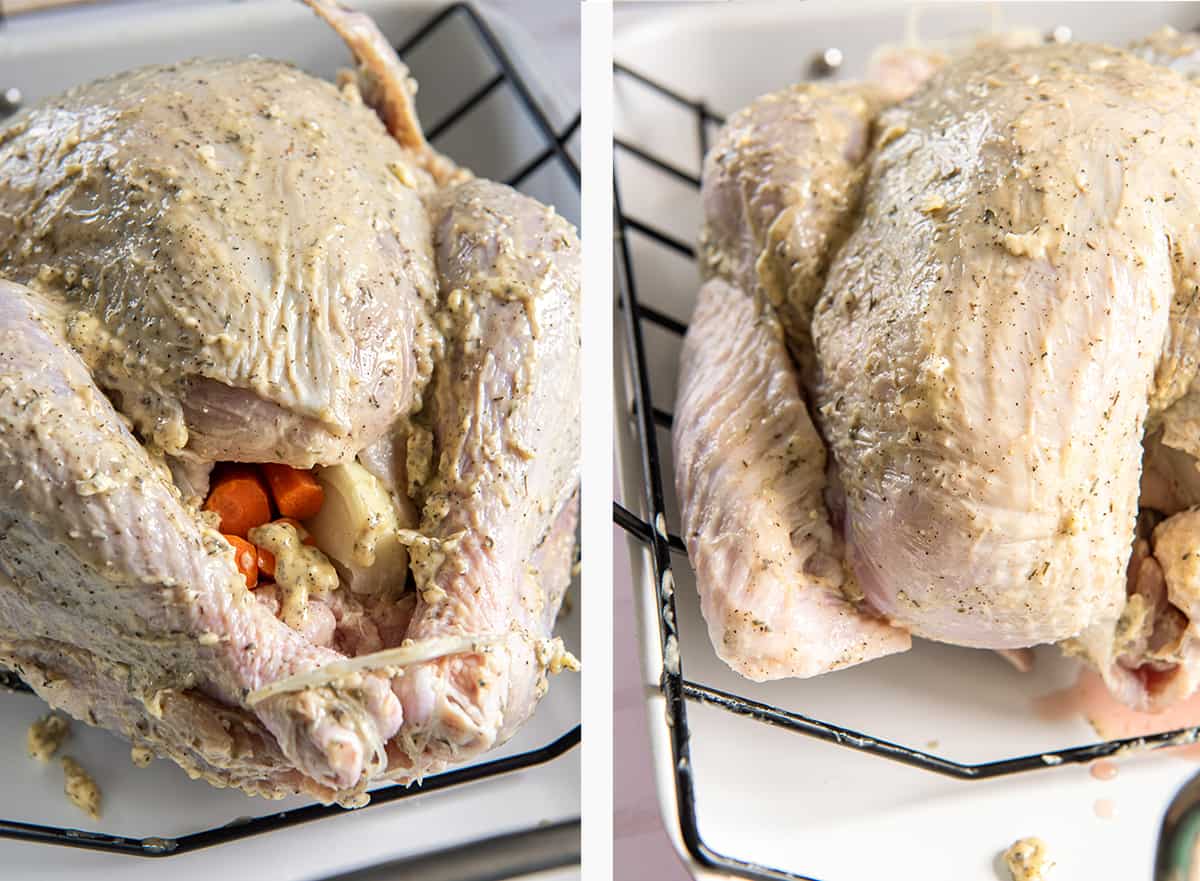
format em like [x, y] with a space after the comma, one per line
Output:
[1006, 316]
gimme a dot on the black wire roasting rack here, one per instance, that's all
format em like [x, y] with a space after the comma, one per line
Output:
[561, 850]
[666, 549]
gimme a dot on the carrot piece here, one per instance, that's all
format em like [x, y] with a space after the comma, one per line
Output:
[241, 500]
[246, 557]
[297, 493]
[305, 538]
[266, 562]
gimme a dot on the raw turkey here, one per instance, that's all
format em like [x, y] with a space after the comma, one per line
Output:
[938, 339]
[234, 262]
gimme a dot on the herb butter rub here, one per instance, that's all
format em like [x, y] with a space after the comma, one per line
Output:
[229, 262]
[752, 468]
[243, 249]
[780, 189]
[1007, 319]
[1026, 860]
[108, 596]
[499, 507]
[493, 458]
[987, 293]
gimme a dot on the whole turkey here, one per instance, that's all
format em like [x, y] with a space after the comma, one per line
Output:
[234, 262]
[942, 381]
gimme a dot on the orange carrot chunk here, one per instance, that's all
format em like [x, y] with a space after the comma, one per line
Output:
[305, 538]
[296, 493]
[241, 501]
[246, 557]
[266, 562]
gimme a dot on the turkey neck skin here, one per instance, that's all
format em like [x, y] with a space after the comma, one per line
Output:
[989, 339]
